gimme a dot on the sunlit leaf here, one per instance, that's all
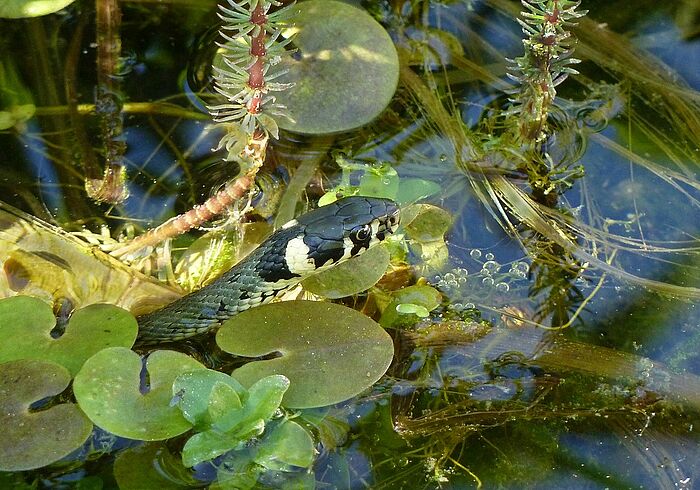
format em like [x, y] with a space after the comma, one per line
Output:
[40, 437]
[329, 352]
[351, 277]
[108, 389]
[208, 445]
[27, 322]
[198, 390]
[15, 9]
[289, 444]
[345, 73]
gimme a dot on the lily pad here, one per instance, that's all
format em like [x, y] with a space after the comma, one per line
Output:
[409, 304]
[16, 9]
[108, 389]
[151, 466]
[329, 352]
[351, 277]
[345, 71]
[37, 438]
[27, 323]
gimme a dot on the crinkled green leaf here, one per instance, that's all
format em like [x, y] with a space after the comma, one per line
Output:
[15, 9]
[208, 445]
[406, 303]
[108, 390]
[37, 438]
[263, 400]
[329, 352]
[350, 277]
[345, 73]
[27, 322]
[203, 395]
[287, 445]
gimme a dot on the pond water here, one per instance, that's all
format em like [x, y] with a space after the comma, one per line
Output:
[562, 351]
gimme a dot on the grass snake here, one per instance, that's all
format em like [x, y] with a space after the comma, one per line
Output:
[311, 243]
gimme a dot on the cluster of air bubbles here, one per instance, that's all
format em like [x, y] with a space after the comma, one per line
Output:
[492, 278]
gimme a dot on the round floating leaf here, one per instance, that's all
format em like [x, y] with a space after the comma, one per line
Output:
[143, 467]
[34, 439]
[409, 304]
[108, 389]
[345, 73]
[329, 352]
[351, 277]
[27, 322]
[15, 9]
[430, 223]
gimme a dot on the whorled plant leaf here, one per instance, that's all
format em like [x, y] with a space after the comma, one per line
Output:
[351, 277]
[16, 9]
[108, 389]
[345, 72]
[287, 445]
[26, 324]
[329, 352]
[36, 438]
[205, 395]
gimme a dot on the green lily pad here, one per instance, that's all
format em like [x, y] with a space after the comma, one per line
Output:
[409, 304]
[329, 352]
[151, 466]
[16, 9]
[108, 390]
[37, 438]
[345, 72]
[351, 277]
[27, 323]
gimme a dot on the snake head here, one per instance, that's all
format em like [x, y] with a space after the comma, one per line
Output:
[338, 231]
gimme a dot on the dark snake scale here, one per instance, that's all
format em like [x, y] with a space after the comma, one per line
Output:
[309, 244]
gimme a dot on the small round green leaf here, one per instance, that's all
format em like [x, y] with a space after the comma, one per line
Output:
[345, 73]
[108, 390]
[27, 322]
[350, 277]
[16, 9]
[329, 352]
[409, 304]
[37, 438]
[287, 445]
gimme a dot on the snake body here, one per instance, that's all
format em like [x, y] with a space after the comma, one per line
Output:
[313, 242]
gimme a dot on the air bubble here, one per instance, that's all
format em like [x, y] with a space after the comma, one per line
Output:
[491, 266]
[449, 277]
[490, 256]
[487, 281]
[475, 254]
[470, 306]
[502, 287]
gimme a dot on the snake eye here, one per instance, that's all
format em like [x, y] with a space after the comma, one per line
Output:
[361, 234]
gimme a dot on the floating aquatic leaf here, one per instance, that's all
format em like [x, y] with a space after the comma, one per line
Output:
[409, 303]
[27, 323]
[204, 392]
[350, 277]
[329, 352]
[151, 466]
[345, 73]
[429, 224]
[288, 444]
[37, 438]
[108, 390]
[15, 9]
[412, 190]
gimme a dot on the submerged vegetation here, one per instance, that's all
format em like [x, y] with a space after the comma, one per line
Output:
[533, 323]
